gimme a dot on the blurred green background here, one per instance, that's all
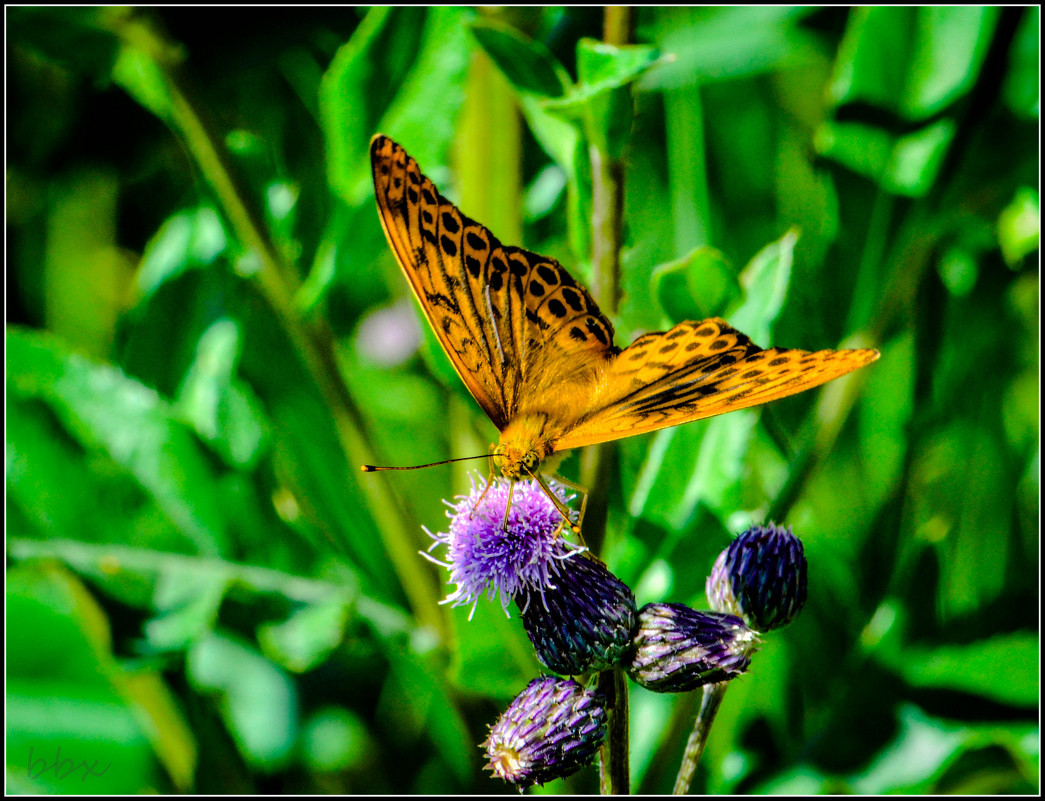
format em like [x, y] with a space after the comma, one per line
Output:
[207, 334]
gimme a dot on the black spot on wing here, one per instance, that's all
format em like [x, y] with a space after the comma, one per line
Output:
[547, 274]
[573, 298]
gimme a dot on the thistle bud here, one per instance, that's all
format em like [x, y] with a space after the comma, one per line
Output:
[551, 729]
[761, 577]
[582, 623]
[676, 648]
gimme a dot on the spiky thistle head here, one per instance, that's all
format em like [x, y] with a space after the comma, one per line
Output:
[551, 729]
[676, 648]
[582, 623]
[760, 576]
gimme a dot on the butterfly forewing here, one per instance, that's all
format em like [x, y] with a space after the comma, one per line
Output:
[425, 233]
[513, 323]
[698, 370]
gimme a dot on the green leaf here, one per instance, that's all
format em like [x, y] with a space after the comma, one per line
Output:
[115, 415]
[141, 77]
[692, 465]
[257, 701]
[916, 159]
[724, 43]
[378, 55]
[765, 282]
[528, 65]
[912, 61]
[1019, 226]
[422, 119]
[188, 600]
[701, 284]
[538, 78]
[337, 739]
[223, 410]
[56, 489]
[602, 68]
[76, 720]
[1002, 668]
[599, 98]
[309, 636]
[1022, 88]
[939, 744]
[493, 657]
[187, 240]
[414, 52]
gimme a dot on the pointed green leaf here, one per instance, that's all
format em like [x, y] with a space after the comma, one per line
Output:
[701, 284]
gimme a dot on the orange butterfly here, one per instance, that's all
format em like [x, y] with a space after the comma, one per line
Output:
[538, 356]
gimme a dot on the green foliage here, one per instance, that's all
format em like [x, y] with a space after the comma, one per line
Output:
[207, 334]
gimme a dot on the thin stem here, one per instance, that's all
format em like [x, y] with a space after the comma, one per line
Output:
[614, 767]
[709, 704]
[93, 559]
[607, 234]
[618, 25]
[312, 337]
[608, 224]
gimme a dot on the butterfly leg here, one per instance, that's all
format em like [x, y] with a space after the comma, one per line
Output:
[508, 506]
[580, 491]
[563, 509]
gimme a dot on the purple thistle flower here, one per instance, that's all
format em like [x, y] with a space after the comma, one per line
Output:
[677, 648]
[551, 729]
[485, 559]
[760, 576]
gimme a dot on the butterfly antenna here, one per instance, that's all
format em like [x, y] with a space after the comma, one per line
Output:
[369, 468]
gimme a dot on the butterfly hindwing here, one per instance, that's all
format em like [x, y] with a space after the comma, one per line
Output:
[511, 321]
[698, 370]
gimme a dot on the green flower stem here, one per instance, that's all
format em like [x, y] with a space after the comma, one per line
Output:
[312, 337]
[614, 767]
[709, 704]
[607, 222]
[607, 228]
[607, 225]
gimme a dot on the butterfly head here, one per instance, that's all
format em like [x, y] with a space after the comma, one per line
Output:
[523, 448]
[515, 463]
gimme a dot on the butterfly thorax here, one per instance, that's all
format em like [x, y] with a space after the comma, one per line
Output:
[523, 447]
